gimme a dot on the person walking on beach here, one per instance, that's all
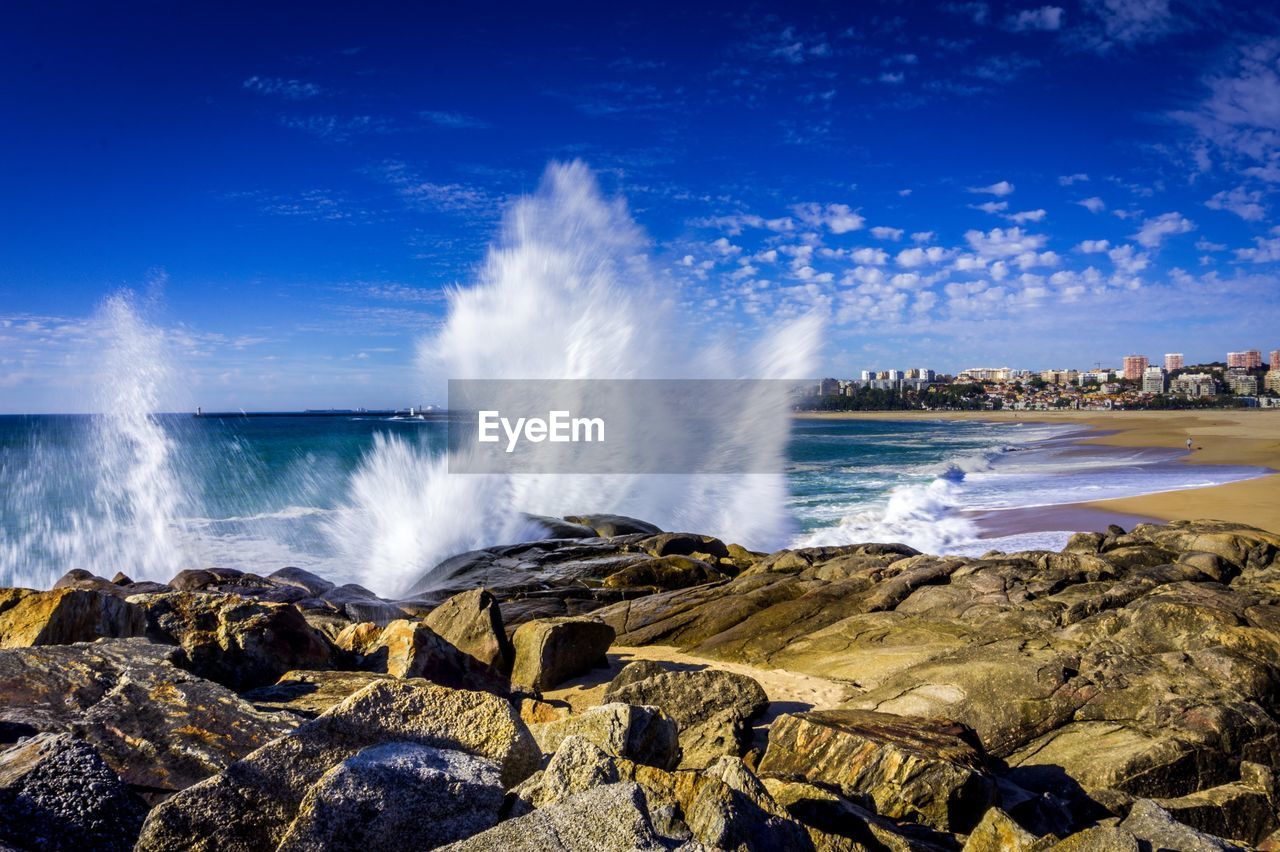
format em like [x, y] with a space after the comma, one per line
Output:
[1188, 445]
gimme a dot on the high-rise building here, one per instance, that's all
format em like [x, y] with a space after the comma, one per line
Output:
[1242, 384]
[829, 387]
[868, 375]
[1135, 366]
[1273, 377]
[1250, 359]
[1152, 380]
[1275, 360]
[895, 376]
[1173, 361]
[1194, 385]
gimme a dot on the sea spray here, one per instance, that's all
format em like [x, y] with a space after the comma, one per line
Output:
[103, 494]
[568, 291]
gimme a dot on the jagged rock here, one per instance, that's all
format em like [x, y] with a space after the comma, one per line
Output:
[535, 712]
[158, 726]
[642, 734]
[923, 770]
[576, 766]
[359, 639]
[1148, 821]
[997, 832]
[310, 693]
[841, 824]
[409, 649]
[266, 789]
[1244, 811]
[552, 650]
[313, 585]
[732, 810]
[63, 616]
[666, 572]
[613, 818]
[233, 640]
[56, 793]
[472, 623]
[378, 798]
[1102, 838]
[609, 526]
[712, 709]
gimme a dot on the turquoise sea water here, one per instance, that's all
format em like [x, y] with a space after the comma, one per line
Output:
[260, 493]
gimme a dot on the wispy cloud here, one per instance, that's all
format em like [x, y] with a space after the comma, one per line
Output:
[1154, 231]
[339, 128]
[452, 120]
[293, 90]
[1044, 19]
[999, 189]
[1247, 204]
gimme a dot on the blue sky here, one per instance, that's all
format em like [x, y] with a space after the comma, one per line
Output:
[949, 184]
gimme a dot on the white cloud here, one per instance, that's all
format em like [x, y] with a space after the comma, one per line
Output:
[913, 257]
[838, 218]
[1129, 260]
[1245, 204]
[1266, 250]
[923, 236]
[1044, 19]
[1130, 21]
[1093, 205]
[991, 206]
[880, 232]
[735, 224]
[1094, 246]
[292, 90]
[892, 77]
[1240, 117]
[1154, 231]
[725, 248]
[1004, 243]
[1000, 188]
[1026, 216]
[1068, 180]
[870, 256]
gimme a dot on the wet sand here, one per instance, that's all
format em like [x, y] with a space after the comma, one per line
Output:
[1229, 437]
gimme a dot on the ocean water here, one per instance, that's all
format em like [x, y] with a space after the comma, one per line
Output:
[264, 492]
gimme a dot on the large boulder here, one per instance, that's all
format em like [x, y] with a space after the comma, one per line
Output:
[158, 726]
[63, 616]
[1244, 811]
[265, 790]
[550, 651]
[642, 734]
[56, 793]
[713, 709]
[1148, 822]
[312, 584]
[472, 623]
[233, 640]
[611, 818]
[997, 832]
[665, 572]
[731, 809]
[409, 649]
[613, 525]
[922, 770]
[378, 797]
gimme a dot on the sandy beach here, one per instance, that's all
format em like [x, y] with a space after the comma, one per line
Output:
[1231, 437]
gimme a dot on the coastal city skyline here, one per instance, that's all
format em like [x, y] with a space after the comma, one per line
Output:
[297, 200]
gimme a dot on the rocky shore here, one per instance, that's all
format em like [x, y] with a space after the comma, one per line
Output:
[1123, 694]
